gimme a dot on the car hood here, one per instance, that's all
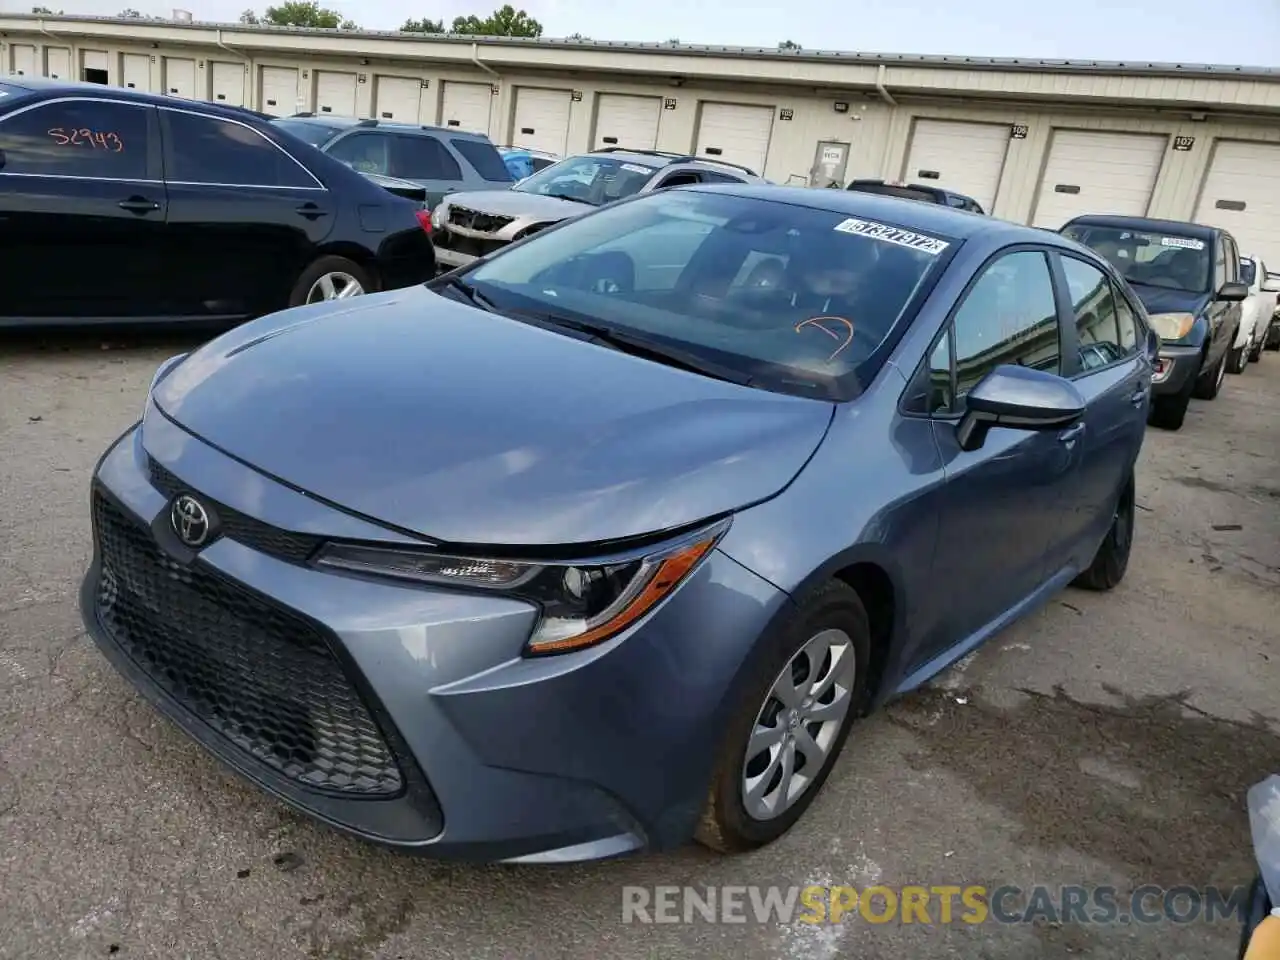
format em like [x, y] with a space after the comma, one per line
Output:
[1164, 300]
[514, 203]
[467, 427]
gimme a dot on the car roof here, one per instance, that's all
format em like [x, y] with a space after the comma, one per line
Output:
[1149, 224]
[48, 86]
[395, 126]
[923, 187]
[657, 159]
[907, 214]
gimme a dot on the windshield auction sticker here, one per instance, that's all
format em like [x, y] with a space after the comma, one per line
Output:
[903, 238]
[1189, 242]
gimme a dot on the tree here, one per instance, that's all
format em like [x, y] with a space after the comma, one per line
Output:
[45, 12]
[304, 13]
[130, 14]
[249, 17]
[789, 45]
[579, 37]
[423, 26]
[503, 22]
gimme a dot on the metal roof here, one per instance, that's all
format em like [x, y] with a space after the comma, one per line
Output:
[1032, 64]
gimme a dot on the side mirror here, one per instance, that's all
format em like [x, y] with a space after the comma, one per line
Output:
[1270, 285]
[1233, 292]
[1021, 398]
[1153, 345]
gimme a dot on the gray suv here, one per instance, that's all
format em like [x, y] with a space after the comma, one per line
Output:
[438, 159]
[470, 225]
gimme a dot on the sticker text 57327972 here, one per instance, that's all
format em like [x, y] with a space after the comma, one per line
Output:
[89, 139]
[895, 235]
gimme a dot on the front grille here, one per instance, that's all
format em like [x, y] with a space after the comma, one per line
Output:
[475, 220]
[262, 677]
[281, 544]
[471, 246]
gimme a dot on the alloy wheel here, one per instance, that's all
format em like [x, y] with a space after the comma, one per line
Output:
[334, 286]
[798, 724]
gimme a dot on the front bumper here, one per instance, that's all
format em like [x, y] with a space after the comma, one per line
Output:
[402, 714]
[1181, 364]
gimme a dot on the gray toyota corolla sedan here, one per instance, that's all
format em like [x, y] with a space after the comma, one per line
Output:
[607, 541]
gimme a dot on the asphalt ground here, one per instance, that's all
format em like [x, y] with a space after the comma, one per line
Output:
[1107, 740]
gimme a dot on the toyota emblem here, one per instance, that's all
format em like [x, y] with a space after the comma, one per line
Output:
[190, 520]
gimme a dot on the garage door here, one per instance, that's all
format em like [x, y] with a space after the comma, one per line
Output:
[58, 61]
[227, 82]
[466, 106]
[542, 119]
[965, 157]
[623, 121]
[398, 98]
[24, 60]
[180, 77]
[737, 133]
[1093, 172]
[279, 91]
[135, 71]
[93, 66]
[1241, 193]
[336, 93]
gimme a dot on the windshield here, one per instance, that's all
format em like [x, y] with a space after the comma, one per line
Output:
[1248, 272]
[588, 179]
[793, 298]
[312, 133]
[1154, 259]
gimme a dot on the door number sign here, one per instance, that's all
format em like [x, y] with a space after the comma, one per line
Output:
[1183, 143]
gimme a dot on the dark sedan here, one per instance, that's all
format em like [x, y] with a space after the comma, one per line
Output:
[1187, 277]
[122, 206]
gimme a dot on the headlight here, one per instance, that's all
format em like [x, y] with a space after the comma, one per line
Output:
[1172, 326]
[582, 604]
[438, 216]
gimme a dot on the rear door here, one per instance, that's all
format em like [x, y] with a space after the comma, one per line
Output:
[425, 160]
[82, 210]
[245, 216]
[1105, 357]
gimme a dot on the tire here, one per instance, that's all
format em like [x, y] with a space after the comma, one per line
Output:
[1112, 558]
[732, 823]
[1256, 353]
[1168, 412]
[309, 284]
[1238, 359]
[1209, 384]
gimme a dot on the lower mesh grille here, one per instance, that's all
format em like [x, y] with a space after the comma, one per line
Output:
[262, 677]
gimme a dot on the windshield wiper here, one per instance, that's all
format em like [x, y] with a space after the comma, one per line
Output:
[643, 347]
[474, 296]
[565, 196]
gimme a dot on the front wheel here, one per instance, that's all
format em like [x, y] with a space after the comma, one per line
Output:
[1239, 358]
[791, 724]
[1210, 382]
[331, 278]
[1112, 559]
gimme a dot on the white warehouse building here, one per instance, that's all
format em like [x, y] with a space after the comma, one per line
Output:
[1034, 141]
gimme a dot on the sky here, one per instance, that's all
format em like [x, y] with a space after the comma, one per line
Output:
[1247, 31]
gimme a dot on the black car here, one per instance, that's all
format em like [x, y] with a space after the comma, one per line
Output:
[120, 205]
[439, 159]
[1187, 277]
[917, 191]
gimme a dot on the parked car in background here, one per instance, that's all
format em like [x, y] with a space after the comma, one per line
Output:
[1255, 315]
[603, 531]
[916, 191]
[1188, 279]
[126, 206]
[1272, 341]
[443, 160]
[470, 225]
[524, 162]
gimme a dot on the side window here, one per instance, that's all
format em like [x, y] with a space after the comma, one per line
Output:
[366, 152]
[1008, 316]
[77, 138]
[715, 176]
[211, 150]
[677, 180]
[1233, 260]
[1094, 306]
[1220, 274]
[941, 397]
[424, 158]
[1126, 324]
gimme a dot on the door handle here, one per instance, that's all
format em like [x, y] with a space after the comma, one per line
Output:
[1139, 396]
[138, 205]
[311, 211]
[1071, 434]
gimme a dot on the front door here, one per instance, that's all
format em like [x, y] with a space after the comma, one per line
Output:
[82, 211]
[245, 217]
[426, 161]
[1002, 503]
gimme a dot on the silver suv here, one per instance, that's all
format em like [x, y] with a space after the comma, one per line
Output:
[469, 225]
